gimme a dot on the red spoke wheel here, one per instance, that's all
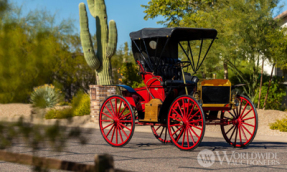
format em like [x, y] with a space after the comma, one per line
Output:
[186, 123]
[243, 123]
[117, 121]
[161, 133]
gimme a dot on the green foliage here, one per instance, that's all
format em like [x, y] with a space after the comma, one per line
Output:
[129, 71]
[280, 125]
[276, 93]
[34, 50]
[45, 96]
[81, 104]
[59, 113]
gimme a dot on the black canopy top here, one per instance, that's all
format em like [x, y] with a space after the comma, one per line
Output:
[179, 33]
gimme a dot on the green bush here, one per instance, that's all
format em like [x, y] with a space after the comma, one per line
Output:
[280, 125]
[276, 93]
[59, 113]
[81, 104]
[45, 96]
[129, 71]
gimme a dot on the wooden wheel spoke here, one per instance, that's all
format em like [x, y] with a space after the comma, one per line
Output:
[157, 128]
[243, 133]
[117, 135]
[104, 120]
[246, 129]
[110, 130]
[240, 106]
[113, 134]
[187, 137]
[165, 134]
[248, 118]
[232, 133]
[125, 126]
[122, 111]
[120, 106]
[109, 110]
[179, 109]
[175, 125]
[243, 109]
[193, 115]
[240, 135]
[195, 127]
[176, 130]
[236, 134]
[231, 114]
[125, 116]
[180, 134]
[235, 113]
[177, 113]
[230, 129]
[183, 137]
[174, 118]
[112, 107]
[194, 132]
[116, 106]
[126, 121]
[191, 135]
[183, 107]
[107, 115]
[248, 124]
[108, 126]
[247, 113]
[121, 134]
[123, 131]
[195, 121]
[161, 132]
[191, 111]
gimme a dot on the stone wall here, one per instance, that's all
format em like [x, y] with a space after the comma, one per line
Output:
[98, 95]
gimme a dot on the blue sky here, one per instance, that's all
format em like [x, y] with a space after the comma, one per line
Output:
[128, 14]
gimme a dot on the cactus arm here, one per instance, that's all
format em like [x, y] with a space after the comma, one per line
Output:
[113, 36]
[91, 5]
[86, 40]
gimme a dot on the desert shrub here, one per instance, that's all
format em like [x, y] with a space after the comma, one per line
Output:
[45, 96]
[59, 113]
[276, 93]
[81, 104]
[280, 125]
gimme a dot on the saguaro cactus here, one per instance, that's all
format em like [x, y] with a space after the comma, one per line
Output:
[106, 40]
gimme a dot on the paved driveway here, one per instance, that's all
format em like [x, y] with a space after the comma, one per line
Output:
[145, 153]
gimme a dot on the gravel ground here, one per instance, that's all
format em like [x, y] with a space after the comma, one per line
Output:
[11, 112]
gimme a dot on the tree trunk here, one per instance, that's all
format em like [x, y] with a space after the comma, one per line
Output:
[268, 86]
[225, 70]
[261, 78]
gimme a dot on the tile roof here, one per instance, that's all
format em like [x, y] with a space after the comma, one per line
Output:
[282, 15]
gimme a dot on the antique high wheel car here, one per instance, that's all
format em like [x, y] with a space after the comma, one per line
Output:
[175, 103]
